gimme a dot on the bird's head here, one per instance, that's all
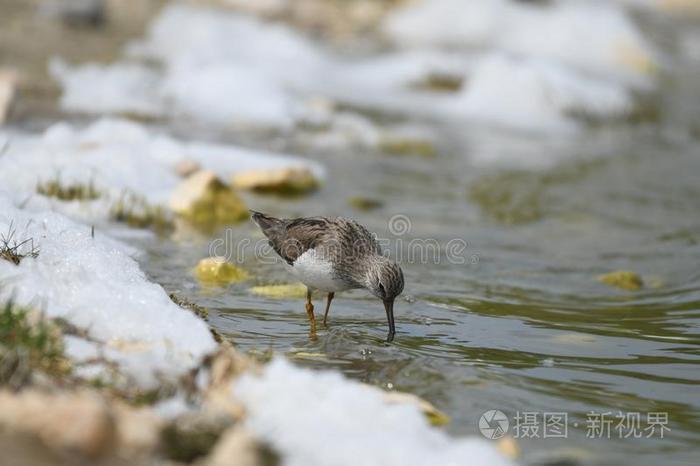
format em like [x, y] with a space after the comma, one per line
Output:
[384, 279]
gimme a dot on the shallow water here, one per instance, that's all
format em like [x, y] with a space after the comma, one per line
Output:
[522, 325]
[516, 321]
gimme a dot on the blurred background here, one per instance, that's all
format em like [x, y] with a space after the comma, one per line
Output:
[557, 140]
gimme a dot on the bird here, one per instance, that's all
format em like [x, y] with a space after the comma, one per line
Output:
[332, 254]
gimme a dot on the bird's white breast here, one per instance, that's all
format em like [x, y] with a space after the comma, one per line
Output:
[316, 272]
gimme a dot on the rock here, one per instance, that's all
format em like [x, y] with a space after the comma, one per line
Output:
[284, 181]
[217, 271]
[508, 447]
[138, 429]
[224, 367]
[8, 85]
[293, 290]
[78, 13]
[79, 421]
[187, 167]
[623, 279]
[204, 200]
[27, 450]
[434, 415]
[193, 435]
[238, 447]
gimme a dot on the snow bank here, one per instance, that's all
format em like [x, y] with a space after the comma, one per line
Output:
[529, 94]
[497, 89]
[94, 284]
[217, 67]
[593, 36]
[224, 68]
[118, 156]
[321, 418]
[111, 89]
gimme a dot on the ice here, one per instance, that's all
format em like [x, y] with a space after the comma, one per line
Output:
[320, 418]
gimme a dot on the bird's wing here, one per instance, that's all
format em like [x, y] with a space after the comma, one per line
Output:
[296, 236]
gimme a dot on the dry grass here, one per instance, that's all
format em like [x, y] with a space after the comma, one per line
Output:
[68, 192]
[13, 250]
[136, 212]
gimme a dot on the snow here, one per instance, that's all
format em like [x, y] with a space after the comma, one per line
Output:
[529, 94]
[249, 96]
[226, 68]
[321, 418]
[79, 349]
[223, 68]
[109, 89]
[594, 36]
[93, 281]
[217, 67]
[95, 285]
[118, 156]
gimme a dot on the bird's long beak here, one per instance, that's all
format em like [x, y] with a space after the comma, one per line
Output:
[389, 306]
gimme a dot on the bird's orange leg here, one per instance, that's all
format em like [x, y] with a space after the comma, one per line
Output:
[310, 311]
[328, 306]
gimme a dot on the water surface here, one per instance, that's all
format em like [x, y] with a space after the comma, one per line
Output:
[522, 325]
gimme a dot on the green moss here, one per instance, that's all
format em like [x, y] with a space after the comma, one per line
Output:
[282, 291]
[622, 279]
[13, 250]
[364, 203]
[216, 271]
[509, 197]
[136, 212]
[192, 436]
[200, 311]
[406, 145]
[28, 343]
[68, 192]
[206, 202]
[440, 82]
[288, 182]
[185, 303]
[517, 197]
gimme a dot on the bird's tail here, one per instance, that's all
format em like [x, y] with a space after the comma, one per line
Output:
[265, 222]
